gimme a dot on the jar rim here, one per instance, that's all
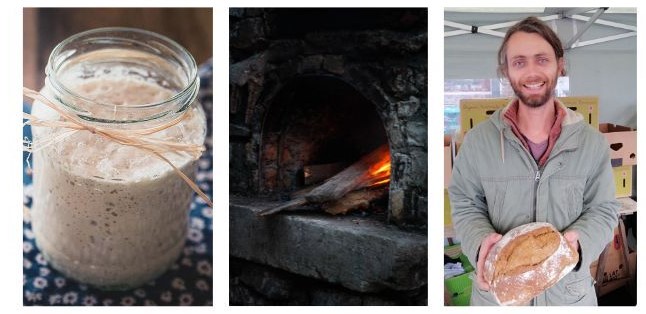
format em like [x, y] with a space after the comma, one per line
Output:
[54, 63]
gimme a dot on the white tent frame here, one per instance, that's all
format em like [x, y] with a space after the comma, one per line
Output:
[574, 14]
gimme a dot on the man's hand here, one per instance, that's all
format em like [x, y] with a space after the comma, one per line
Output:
[485, 247]
[572, 238]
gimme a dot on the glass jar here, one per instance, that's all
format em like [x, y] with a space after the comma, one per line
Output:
[104, 213]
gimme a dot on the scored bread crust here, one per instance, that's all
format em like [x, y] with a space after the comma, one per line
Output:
[526, 261]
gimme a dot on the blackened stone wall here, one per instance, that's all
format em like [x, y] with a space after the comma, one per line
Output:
[313, 258]
[382, 53]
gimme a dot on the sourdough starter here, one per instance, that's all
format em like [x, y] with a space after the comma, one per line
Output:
[110, 215]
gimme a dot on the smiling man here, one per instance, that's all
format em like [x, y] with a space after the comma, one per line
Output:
[534, 161]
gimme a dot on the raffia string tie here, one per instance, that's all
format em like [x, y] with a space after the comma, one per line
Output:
[137, 138]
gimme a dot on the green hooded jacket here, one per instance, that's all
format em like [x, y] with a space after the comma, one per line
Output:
[497, 185]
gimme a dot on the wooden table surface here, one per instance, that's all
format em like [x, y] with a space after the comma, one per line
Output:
[43, 28]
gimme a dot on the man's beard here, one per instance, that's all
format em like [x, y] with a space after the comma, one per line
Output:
[534, 101]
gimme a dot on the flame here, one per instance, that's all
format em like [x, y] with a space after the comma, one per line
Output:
[380, 172]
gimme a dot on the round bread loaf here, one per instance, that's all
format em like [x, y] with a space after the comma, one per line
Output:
[526, 261]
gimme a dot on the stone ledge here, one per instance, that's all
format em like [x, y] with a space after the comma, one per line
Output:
[361, 254]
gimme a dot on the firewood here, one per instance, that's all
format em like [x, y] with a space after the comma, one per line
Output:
[354, 200]
[302, 192]
[357, 176]
[284, 206]
[316, 173]
[366, 172]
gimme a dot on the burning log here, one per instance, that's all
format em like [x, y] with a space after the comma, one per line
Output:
[372, 170]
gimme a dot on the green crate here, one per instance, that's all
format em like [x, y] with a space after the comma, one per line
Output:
[460, 289]
[459, 286]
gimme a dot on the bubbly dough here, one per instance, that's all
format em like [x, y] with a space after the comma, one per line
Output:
[106, 214]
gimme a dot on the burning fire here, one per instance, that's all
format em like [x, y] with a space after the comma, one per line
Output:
[380, 172]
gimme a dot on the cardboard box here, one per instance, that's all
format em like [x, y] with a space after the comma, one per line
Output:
[623, 181]
[447, 209]
[612, 279]
[448, 161]
[615, 273]
[586, 106]
[623, 144]
[474, 111]
[456, 142]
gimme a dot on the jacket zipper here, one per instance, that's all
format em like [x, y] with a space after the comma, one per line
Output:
[537, 178]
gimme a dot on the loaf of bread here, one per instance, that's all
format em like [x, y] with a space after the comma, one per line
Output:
[528, 260]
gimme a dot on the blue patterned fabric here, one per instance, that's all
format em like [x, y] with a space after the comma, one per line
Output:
[188, 282]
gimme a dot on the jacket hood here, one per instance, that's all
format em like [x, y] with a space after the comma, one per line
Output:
[571, 117]
[568, 129]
